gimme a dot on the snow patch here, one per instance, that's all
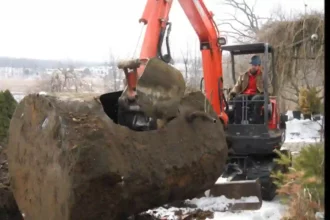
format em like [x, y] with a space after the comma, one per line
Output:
[168, 214]
[303, 131]
[220, 203]
[222, 180]
[269, 211]
[42, 93]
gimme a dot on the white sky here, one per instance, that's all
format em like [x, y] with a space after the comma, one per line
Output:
[86, 29]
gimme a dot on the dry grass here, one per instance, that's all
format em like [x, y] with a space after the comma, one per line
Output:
[290, 31]
[17, 85]
[302, 206]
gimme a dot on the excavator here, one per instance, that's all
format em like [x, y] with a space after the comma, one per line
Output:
[119, 154]
[154, 89]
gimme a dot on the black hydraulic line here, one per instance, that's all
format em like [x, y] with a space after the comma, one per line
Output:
[167, 57]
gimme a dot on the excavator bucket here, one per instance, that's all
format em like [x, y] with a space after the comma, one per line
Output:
[246, 194]
[159, 88]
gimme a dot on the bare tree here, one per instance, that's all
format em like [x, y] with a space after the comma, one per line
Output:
[192, 66]
[64, 79]
[56, 81]
[299, 53]
[243, 23]
[195, 70]
[112, 77]
[185, 59]
[297, 58]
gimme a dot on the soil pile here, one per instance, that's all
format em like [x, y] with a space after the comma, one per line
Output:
[68, 160]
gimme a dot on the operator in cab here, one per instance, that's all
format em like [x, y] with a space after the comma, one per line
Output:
[249, 84]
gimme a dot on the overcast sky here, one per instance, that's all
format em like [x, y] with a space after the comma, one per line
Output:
[86, 29]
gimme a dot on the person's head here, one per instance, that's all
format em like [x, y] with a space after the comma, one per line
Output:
[255, 64]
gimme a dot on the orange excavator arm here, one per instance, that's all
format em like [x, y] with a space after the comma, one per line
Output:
[202, 21]
[156, 18]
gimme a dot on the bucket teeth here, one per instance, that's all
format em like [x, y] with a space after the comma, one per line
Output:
[130, 64]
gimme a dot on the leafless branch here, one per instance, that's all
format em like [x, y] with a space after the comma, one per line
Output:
[237, 32]
[289, 99]
[249, 12]
[244, 28]
[185, 58]
[235, 37]
[294, 85]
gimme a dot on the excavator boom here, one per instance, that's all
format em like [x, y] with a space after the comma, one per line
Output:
[208, 34]
[159, 87]
[156, 19]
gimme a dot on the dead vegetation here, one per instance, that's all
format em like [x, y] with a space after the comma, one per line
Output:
[192, 70]
[299, 57]
[64, 80]
[241, 30]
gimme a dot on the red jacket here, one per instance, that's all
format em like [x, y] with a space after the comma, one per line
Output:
[252, 86]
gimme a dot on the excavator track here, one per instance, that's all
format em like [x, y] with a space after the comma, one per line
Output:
[261, 168]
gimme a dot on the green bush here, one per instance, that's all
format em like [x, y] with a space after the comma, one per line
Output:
[302, 188]
[7, 107]
[309, 101]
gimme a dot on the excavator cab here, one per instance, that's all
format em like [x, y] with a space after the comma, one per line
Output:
[270, 124]
[252, 144]
[251, 49]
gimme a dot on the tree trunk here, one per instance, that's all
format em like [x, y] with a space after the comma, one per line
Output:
[69, 161]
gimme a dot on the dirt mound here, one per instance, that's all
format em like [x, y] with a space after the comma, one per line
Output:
[68, 160]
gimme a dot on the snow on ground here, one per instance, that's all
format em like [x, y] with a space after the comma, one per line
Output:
[303, 130]
[219, 204]
[269, 211]
[299, 133]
